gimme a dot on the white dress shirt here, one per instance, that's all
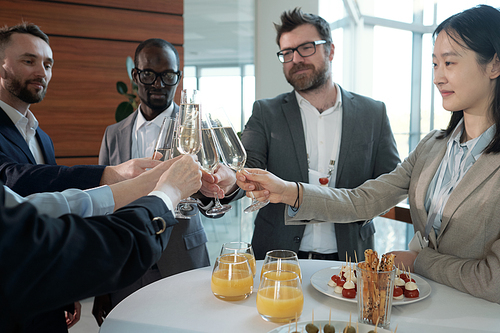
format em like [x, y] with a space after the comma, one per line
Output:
[322, 133]
[145, 132]
[26, 125]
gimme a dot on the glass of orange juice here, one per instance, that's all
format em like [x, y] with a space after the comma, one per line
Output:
[232, 278]
[242, 248]
[284, 260]
[280, 298]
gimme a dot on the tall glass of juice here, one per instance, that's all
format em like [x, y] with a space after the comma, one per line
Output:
[280, 298]
[242, 248]
[232, 278]
[284, 260]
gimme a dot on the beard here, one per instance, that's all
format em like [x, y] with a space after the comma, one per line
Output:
[21, 91]
[307, 82]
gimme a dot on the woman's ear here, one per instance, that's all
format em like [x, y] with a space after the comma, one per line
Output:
[495, 69]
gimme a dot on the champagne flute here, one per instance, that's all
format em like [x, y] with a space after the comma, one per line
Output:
[231, 149]
[189, 123]
[209, 160]
[165, 144]
[188, 131]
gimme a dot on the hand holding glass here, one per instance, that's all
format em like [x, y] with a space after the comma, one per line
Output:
[209, 160]
[231, 149]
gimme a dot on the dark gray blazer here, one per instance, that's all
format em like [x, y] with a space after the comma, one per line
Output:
[187, 246]
[274, 140]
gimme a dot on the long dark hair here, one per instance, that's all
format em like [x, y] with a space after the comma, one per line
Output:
[476, 29]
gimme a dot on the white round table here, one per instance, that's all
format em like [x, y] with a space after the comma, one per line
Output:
[184, 303]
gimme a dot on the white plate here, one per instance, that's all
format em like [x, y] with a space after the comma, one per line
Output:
[339, 327]
[320, 279]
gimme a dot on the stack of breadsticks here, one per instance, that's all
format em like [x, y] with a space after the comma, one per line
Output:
[377, 288]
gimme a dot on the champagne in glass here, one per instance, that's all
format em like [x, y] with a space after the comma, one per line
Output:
[165, 142]
[232, 151]
[209, 160]
[189, 123]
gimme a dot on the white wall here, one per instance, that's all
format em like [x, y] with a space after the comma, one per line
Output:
[269, 78]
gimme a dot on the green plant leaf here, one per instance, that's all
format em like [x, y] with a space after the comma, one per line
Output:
[130, 66]
[123, 110]
[121, 87]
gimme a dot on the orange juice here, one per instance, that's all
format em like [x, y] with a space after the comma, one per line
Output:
[251, 261]
[284, 266]
[232, 284]
[289, 304]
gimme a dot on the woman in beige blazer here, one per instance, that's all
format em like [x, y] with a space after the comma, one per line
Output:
[452, 178]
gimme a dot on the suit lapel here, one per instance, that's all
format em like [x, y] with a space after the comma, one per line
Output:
[46, 146]
[123, 138]
[475, 176]
[349, 121]
[292, 115]
[425, 172]
[11, 133]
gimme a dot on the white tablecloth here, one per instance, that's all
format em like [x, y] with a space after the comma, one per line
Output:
[184, 303]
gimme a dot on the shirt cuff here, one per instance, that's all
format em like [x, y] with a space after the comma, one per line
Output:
[102, 198]
[165, 199]
[292, 213]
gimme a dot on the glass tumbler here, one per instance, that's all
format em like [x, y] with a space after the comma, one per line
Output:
[375, 290]
[232, 278]
[284, 260]
[280, 298]
[242, 248]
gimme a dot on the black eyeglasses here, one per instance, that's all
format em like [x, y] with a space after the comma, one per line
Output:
[304, 50]
[149, 77]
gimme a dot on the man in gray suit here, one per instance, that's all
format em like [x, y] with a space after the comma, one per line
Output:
[157, 75]
[318, 133]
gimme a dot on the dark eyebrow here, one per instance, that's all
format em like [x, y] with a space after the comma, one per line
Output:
[31, 55]
[448, 54]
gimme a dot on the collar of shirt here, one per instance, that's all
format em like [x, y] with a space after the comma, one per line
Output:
[26, 124]
[145, 132]
[458, 159]
[304, 103]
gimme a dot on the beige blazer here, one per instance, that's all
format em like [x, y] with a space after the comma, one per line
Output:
[466, 253]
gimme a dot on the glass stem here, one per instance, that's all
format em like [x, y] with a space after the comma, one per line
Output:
[217, 202]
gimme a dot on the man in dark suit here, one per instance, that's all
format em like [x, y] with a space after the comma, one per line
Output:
[319, 130]
[47, 262]
[27, 159]
[157, 75]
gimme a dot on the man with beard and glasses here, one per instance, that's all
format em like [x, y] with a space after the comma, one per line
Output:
[27, 157]
[157, 75]
[319, 132]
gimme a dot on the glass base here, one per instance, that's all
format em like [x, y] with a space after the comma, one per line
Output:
[256, 205]
[280, 319]
[232, 298]
[219, 210]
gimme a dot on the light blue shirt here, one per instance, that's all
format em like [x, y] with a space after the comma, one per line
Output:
[458, 159]
[96, 201]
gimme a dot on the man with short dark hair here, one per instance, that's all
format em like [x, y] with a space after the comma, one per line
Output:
[27, 157]
[319, 133]
[157, 75]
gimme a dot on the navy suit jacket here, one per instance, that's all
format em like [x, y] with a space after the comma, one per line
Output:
[19, 171]
[48, 262]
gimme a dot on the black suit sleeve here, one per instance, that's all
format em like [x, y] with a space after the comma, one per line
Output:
[26, 179]
[46, 262]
